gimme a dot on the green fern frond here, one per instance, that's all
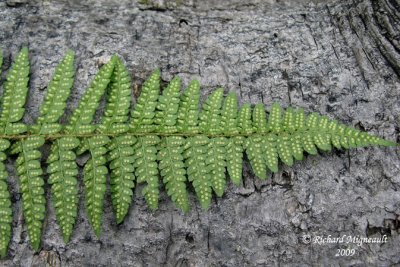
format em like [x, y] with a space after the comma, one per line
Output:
[58, 92]
[144, 111]
[189, 109]
[172, 170]
[288, 123]
[31, 185]
[167, 108]
[234, 158]
[62, 170]
[121, 161]
[5, 202]
[146, 169]
[14, 96]
[210, 116]
[195, 155]
[167, 136]
[229, 114]
[118, 100]
[255, 150]
[81, 119]
[244, 120]
[216, 163]
[205, 157]
[270, 152]
[259, 119]
[274, 119]
[95, 178]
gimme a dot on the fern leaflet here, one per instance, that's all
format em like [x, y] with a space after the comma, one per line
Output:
[31, 185]
[5, 202]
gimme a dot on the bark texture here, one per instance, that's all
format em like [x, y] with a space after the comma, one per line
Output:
[338, 58]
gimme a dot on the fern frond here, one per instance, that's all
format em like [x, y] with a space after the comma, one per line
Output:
[14, 97]
[31, 185]
[172, 170]
[5, 202]
[118, 100]
[234, 158]
[167, 135]
[121, 159]
[62, 170]
[146, 169]
[144, 111]
[216, 163]
[270, 152]
[81, 119]
[244, 120]
[229, 113]
[210, 116]
[95, 178]
[308, 137]
[195, 154]
[167, 107]
[288, 124]
[58, 92]
[255, 150]
[274, 119]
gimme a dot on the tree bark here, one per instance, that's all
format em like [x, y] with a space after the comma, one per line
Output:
[337, 58]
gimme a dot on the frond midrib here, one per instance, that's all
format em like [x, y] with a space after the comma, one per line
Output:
[163, 134]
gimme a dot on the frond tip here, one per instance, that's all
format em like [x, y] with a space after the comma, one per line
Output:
[94, 177]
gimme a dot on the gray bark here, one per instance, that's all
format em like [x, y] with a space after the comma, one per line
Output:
[337, 58]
